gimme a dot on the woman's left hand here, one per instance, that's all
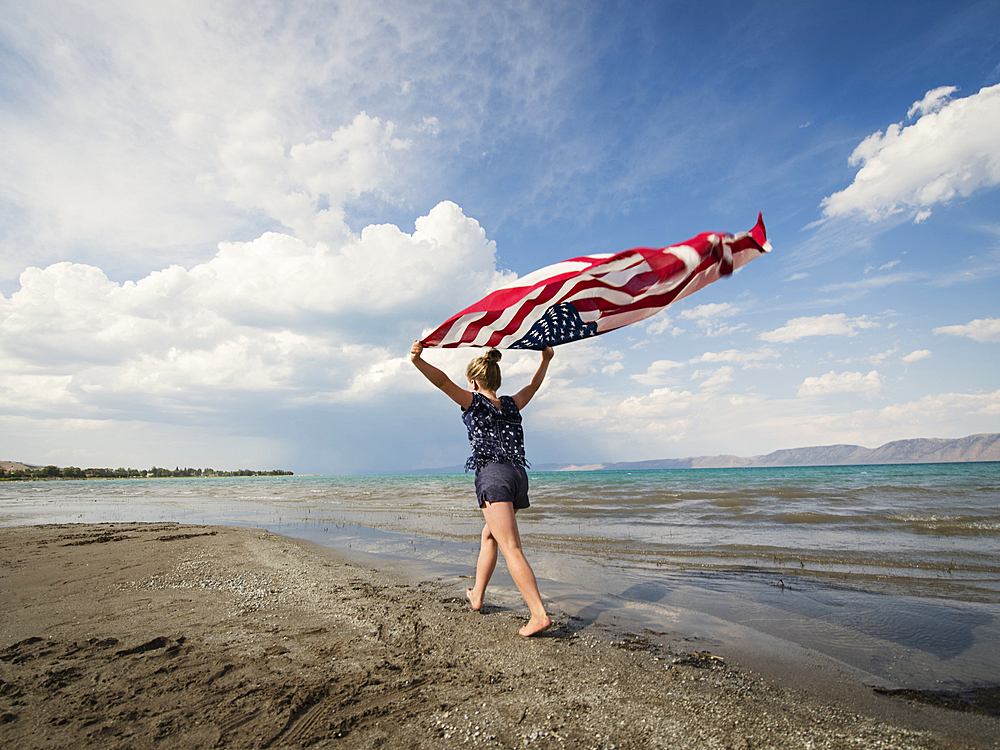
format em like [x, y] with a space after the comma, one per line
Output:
[415, 351]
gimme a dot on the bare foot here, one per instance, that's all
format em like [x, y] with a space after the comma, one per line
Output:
[477, 604]
[536, 626]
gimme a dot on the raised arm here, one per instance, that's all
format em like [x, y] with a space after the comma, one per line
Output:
[456, 393]
[523, 396]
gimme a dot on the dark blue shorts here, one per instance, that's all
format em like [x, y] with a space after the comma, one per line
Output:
[502, 483]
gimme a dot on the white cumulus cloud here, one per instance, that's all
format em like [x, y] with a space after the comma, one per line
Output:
[833, 324]
[662, 371]
[944, 408]
[917, 355]
[658, 373]
[933, 100]
[304, 185]
[746, 358]
[711, 311]
[845, 382]
[714, 380]
[982, 330]
[275, 314]
[951, 150]
[709, 318]
[659, 324]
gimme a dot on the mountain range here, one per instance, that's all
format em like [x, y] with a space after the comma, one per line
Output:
[983, 447]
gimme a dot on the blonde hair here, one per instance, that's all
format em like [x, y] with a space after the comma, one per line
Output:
[485, 370]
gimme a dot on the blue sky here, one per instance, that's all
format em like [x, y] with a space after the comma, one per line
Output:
[222, 225]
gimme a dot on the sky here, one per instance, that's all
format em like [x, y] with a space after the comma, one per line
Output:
[222, 224]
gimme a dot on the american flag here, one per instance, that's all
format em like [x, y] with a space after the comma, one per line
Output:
[593, 294]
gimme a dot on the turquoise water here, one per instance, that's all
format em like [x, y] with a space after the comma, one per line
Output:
[892, 570]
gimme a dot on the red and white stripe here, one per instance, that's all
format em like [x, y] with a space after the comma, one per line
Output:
[609, 290]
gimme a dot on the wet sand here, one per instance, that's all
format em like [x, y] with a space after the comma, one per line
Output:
[165, 635]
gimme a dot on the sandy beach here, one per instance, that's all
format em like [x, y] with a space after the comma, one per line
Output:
[166, 635]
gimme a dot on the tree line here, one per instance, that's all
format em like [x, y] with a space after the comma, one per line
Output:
[74, 472]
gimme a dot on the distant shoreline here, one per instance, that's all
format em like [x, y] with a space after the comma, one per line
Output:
[17, 471]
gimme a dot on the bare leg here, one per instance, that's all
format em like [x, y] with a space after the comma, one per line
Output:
[503, 528]
[484, 568]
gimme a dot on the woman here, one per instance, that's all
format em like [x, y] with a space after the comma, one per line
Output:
[494, 425]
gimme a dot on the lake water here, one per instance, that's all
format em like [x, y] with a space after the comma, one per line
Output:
[893, 571]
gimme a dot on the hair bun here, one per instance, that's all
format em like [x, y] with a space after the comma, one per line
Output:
[493, 355]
